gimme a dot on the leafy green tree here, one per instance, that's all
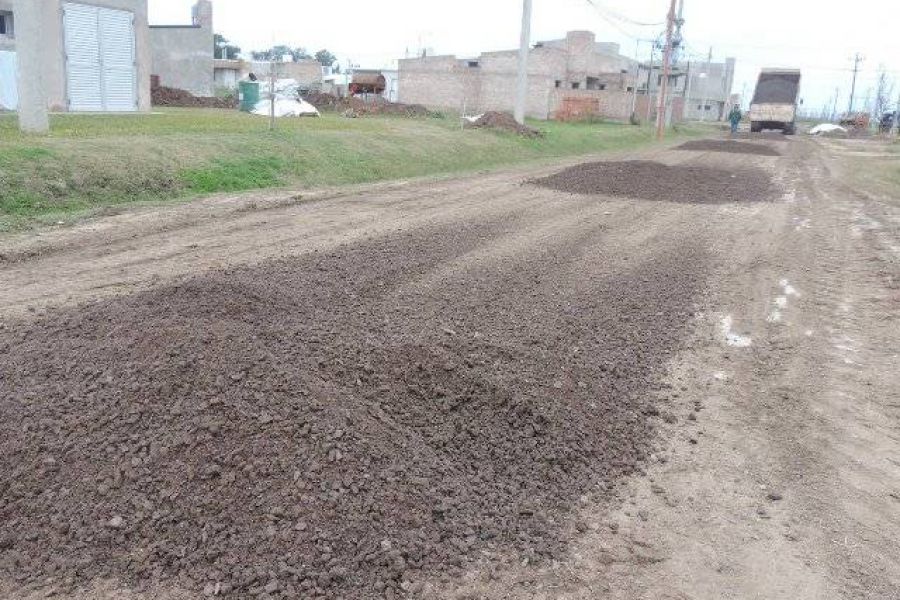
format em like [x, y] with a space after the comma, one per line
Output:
[325, 58]
[276, 52]
[222, 48]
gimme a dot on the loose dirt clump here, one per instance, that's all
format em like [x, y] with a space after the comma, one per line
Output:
[650, 180]
[339, 425]
[502, 121]
[167, 96]
[728, 146]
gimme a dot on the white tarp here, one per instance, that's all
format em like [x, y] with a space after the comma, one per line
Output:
[287, 100]
[9, 90]
[826, 128]
[285, 107]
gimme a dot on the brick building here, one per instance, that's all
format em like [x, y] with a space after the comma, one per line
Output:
[574, 74]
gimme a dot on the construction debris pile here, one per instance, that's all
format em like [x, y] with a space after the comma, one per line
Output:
[167, 96]
[501, 121]
[318, 427]
[650, 180]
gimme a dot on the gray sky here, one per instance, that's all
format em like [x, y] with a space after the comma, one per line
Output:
[816, 36]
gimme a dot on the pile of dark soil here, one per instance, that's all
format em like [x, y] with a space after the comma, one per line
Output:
[649, 180]
[503, 122]
[332, 425]
[375, 105]
[322, 100]
[166, 96]
[728, 146]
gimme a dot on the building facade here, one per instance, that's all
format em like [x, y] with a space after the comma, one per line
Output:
[182, 55]
[704, 87]
[90, 55]
[559, 72]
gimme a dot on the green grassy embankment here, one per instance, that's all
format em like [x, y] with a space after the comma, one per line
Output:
[90, 162]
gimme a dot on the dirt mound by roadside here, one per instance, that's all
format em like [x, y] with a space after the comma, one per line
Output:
[502, 121]
[327, 425]
[375, 105]
[167, 96]
[728, 146]
[650, 180]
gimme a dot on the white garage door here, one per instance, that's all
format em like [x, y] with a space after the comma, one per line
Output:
[100, 65]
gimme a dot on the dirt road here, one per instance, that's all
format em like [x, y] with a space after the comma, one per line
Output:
[498, 386]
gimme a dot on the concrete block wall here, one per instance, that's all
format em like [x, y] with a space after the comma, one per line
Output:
[182, 55]
[488, 82]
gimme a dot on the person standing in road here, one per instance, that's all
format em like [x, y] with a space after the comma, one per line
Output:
[735, 117]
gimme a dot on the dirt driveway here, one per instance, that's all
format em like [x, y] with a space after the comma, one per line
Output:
[464, 388]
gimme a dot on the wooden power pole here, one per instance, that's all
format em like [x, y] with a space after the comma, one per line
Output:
[666, 72]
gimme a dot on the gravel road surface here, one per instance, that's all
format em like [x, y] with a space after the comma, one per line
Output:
[667, 374]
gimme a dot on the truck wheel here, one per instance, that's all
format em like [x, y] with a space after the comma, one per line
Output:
[790, 129]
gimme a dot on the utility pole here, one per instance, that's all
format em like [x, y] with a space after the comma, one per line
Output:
[32, 105]
[667, 69]
[856, 60]
[649, 76]
[271, 91]
[522, 76]
[837, 94]
[637, 73]
[706, 84]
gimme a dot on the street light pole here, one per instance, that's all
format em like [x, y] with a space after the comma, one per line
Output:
[522, 75]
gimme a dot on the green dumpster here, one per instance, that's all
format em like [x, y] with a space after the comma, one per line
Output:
[249, 95]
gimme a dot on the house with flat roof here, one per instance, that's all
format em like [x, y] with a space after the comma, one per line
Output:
[562, 74]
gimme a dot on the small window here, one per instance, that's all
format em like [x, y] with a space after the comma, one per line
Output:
[629, 89]
[6, 24]
[602, 86]
[473, 64]
[707, 107]
[699, 107]
[558, 83]
[576, 85]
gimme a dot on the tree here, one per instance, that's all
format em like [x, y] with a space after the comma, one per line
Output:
[277, 52]
[222, 48]
[884, 93]
[325, 58]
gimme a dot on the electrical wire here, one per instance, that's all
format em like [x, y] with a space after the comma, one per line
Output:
[617, 15]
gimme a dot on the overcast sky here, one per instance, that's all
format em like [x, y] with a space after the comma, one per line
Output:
[818, 37]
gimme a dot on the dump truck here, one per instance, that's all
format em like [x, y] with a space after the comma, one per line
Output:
[775, 101]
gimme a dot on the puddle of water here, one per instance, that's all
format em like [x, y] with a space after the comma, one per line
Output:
[732, 338]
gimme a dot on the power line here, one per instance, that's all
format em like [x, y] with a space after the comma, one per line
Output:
[617, 15]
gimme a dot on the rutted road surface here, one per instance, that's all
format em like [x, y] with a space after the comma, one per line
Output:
[477, 387]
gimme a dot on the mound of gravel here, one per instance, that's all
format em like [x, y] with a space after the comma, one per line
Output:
[502, 121]
[650, 180]
[728, 146]
[327, 426]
